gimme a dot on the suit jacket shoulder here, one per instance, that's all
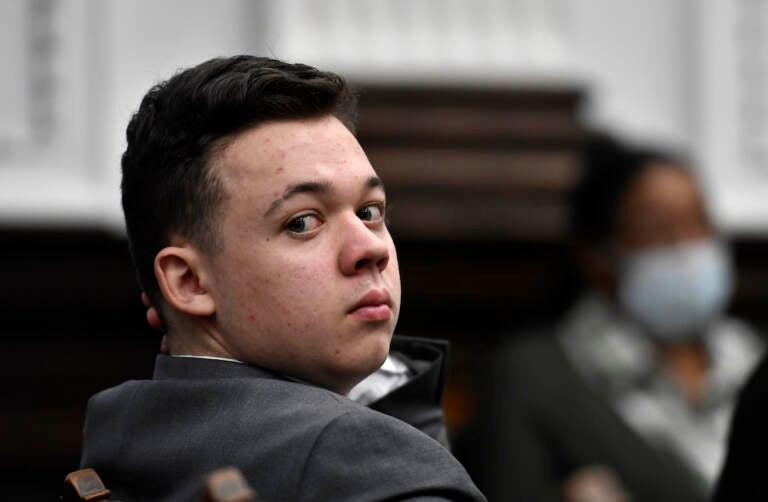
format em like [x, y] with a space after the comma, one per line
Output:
[381, 458]
[155, 440]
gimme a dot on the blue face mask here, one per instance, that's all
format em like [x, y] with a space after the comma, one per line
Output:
[676, 291]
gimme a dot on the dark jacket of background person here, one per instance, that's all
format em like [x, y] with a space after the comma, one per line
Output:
[547, 423]
[743, 476]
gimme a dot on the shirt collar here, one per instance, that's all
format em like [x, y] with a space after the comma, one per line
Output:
[213, 358]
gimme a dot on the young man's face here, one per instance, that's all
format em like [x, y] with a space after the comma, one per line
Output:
[307, 283]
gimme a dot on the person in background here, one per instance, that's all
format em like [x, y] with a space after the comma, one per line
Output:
[628, 397]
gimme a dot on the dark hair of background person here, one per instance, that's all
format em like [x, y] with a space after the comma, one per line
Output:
[168, 187]
[609, 168]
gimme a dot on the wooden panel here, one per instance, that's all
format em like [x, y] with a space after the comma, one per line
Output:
[474, 163]
[44, 435]
[481, 169]
[460, 115]
[474, 215]
[462, 125]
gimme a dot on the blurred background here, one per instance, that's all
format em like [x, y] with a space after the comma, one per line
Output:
[472, 111]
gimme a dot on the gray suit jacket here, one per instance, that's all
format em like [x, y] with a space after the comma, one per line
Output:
[155, 440]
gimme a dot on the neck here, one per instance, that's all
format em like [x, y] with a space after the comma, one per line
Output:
[688, 365]
[195, 337]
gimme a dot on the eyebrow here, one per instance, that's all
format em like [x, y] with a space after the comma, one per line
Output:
[314, 187]
[375, 182]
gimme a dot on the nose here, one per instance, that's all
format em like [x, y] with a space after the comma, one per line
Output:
[362, 248]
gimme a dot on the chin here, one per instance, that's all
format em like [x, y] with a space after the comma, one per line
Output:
[377, 361]
[373, 359]
[382, 342]
[366, 361]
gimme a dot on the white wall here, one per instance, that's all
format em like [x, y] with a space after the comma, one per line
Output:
[146, 41]
[646, 65]
[731, 110]
[105, 54]
[636, 56]
[46, 120]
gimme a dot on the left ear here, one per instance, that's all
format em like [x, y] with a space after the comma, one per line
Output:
[182, 278]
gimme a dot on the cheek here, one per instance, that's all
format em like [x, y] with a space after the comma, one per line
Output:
[393, 270]
[296, 293]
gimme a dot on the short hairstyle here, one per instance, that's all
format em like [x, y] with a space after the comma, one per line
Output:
[168, 188]
[609, 167]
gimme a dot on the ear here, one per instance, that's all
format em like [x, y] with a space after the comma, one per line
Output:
[181, 276]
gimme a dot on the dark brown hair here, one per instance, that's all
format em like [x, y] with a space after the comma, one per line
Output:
[168, 187]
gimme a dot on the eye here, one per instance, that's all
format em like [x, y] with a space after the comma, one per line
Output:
[303, 224]
[371, 212]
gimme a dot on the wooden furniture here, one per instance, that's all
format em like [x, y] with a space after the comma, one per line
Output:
[222, 485]
[228, 485]
[476, 178]
[84, 485]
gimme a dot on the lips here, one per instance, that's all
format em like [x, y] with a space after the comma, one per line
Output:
[376, 305]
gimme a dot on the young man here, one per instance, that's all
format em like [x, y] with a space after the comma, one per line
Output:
[257, 226]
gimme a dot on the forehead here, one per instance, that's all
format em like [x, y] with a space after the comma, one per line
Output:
[663, 187]
[273, 155]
